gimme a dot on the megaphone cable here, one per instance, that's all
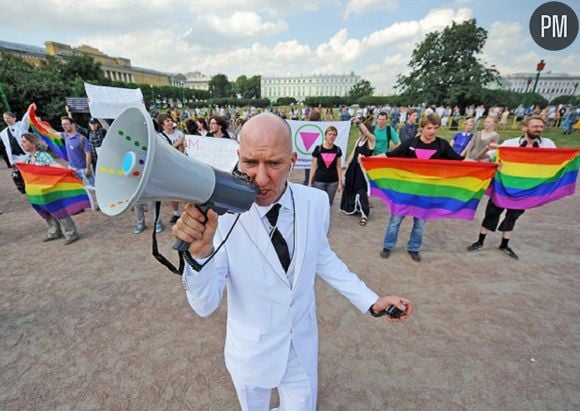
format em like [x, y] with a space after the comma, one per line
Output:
[183, 255]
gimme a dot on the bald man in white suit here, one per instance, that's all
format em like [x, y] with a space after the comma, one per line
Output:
[272, 333]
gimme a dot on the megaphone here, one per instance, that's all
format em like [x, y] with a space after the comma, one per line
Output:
[136, 164]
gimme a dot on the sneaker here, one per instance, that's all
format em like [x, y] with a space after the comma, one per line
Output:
[509, 252]
[71, 240]
[415, 256]
[159, 227]
[386, 253]
[139, 228]
[174, 219]
[475, 246]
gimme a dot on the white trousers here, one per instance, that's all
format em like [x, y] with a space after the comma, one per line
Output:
[295, 390]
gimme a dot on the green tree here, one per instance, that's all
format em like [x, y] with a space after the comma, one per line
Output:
[445, 67]
[253, 88]
[219, 86]
[361, 89]
[48, 84]
[248, 87]
[574, 100]
[285, 101]
[83, 67]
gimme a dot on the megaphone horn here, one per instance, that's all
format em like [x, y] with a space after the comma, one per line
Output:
[136, 164]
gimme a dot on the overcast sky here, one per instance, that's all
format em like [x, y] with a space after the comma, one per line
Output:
[373, 38]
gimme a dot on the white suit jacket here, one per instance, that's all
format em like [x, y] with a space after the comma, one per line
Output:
[265, 314]
[19, 128]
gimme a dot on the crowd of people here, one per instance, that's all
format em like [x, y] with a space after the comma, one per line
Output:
[382, 130]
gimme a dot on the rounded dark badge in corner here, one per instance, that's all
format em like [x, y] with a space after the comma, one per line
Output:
[554, 26]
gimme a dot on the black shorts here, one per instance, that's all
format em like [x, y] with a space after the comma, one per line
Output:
[493, 213]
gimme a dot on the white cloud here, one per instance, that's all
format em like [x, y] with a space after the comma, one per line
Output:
[503, 38]
[243, 23]
[339, 49]
[271, 7]
[570, 63]
[104, 16]
[438, 19]
[340, 53]
[288, 56]
[406, 33]
[159, 49]
[267, 37]
[511, 49]
[383, 76]
[363, 6]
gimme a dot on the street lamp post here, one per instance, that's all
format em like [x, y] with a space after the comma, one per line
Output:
[539, 67]
[528, 85]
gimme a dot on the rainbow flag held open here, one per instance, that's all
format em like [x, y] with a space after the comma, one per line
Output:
[50, 136]
[428, 189]
[531, 177]
[53, 190]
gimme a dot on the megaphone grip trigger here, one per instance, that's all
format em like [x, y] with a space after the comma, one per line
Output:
[181, 245]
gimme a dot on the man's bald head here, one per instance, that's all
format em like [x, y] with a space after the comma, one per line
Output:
[266, 155]
[267, 128]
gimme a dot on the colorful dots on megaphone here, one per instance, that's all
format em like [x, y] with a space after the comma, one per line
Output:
[136, 164]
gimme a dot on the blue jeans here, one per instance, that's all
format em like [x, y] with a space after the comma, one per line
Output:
[329, 188]
[88, 181]
[393, 232]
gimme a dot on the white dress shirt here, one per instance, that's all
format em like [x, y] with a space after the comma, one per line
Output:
[285, 222]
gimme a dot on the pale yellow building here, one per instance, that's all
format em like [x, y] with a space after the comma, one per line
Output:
[114, 68]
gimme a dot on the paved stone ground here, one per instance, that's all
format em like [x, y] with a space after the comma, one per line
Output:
[101, 325]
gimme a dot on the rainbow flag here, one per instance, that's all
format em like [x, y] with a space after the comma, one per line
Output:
[53, 190]
[531, 177]
[50, 136]
[428, 189]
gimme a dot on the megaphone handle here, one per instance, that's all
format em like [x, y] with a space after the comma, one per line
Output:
[183, 246]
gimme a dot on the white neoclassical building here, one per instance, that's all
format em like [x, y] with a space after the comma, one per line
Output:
[197, 80]
[550, 85]
[301, 87]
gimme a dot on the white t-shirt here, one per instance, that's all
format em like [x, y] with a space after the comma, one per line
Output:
[516, 142]
[173, 136]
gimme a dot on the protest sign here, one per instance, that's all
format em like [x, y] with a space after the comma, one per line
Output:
[77, 104]
[306, 135]
[220, 153]
[109, 102]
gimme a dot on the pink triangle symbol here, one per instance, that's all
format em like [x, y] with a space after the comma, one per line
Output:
[309, 138]
[328, 158]
[424, 153]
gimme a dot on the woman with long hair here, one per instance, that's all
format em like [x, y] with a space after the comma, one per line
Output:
[202, 127]
[483, 141]
[355, 197]
[36, 154]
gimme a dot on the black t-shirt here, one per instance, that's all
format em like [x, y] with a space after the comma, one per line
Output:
[326, 171]
[416, 148]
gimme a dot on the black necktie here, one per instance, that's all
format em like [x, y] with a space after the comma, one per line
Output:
[278, 241]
